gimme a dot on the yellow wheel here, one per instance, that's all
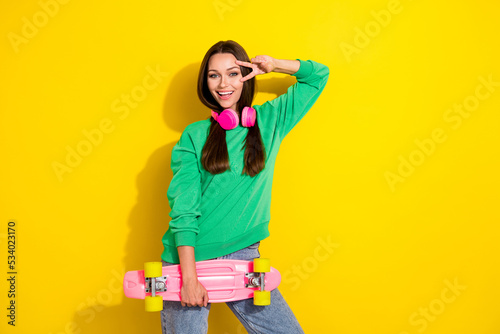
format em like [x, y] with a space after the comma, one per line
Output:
[261, 298]
[154, 304]
[152, 269]
[261, 265]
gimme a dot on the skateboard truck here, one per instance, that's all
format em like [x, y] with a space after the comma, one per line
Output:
[155, 284]
[256, 280]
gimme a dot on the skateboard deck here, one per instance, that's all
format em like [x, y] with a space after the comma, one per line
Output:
[224, 280]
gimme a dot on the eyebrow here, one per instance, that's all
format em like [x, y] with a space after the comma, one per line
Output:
[226, 70]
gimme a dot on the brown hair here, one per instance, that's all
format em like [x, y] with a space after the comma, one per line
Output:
[215, 157]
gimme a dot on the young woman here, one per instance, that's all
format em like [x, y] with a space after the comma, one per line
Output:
[220, 193]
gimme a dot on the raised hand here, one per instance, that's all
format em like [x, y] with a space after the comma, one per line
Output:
[260, 65]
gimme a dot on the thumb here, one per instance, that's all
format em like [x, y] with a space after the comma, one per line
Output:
[205, 298]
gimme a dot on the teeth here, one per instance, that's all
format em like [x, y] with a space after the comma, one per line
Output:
[227, 93]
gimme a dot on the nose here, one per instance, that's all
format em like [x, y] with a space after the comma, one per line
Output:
[223, 81]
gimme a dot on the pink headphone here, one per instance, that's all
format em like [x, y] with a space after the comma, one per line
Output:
[228, 118]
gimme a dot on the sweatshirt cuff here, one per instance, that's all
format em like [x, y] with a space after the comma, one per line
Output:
[305, 69]
[186, 238]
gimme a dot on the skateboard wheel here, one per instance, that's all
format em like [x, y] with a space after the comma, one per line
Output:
[261, 265]
[152, 269]
[261, 298]
[154, 304]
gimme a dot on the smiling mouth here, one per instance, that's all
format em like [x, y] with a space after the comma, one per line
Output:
[225, 93]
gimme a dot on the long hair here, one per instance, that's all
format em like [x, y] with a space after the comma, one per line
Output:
[215, 156]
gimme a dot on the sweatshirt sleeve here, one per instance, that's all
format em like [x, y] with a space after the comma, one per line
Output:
[299, 98]
[184, 192]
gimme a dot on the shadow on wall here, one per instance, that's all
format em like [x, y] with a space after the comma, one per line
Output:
[149, 219]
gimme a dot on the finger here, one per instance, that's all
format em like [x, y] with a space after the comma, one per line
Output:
[249, 76]
[257, 60]
[205, 299]
[243, 63]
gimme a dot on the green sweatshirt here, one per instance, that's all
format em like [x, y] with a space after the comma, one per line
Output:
[220, 214]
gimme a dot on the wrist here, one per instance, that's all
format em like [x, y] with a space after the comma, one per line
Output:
[188, 273]
[189, 279]
[286, 66]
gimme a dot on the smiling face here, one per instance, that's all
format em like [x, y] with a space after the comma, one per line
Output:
[223, 80]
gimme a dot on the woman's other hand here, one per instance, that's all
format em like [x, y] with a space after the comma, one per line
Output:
[193, 293]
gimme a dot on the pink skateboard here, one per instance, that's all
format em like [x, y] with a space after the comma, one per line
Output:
[224, 280]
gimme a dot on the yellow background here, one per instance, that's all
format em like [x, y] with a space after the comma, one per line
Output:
[358, 253]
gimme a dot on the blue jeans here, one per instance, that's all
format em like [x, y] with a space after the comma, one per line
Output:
[275, 318]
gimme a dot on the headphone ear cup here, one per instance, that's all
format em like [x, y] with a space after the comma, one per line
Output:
[228, 119]
[248, 116]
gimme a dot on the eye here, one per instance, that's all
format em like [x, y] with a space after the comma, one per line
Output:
[212, 75]
[235, 73]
